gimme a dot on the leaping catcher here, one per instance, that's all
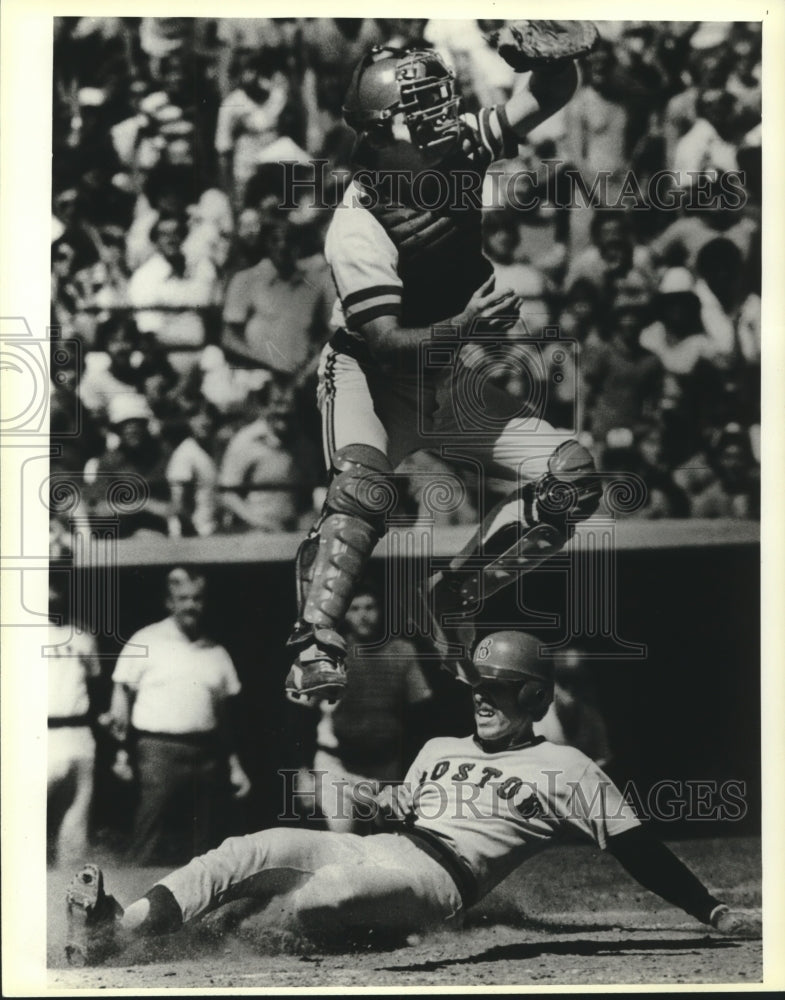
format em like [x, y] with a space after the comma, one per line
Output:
[402, 269]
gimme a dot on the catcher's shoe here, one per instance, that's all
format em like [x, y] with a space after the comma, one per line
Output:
[92, 917]
[317, 672]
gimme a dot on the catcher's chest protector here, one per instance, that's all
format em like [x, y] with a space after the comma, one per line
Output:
[441, 264]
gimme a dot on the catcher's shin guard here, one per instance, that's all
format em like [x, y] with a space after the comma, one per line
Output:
[517, 536]
[91, 917]
[342, 550]
[330, 564]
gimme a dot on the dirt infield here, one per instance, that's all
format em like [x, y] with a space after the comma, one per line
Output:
[572, 916]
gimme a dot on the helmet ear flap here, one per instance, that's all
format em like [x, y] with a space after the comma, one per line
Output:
[378, 134]
[534, 697]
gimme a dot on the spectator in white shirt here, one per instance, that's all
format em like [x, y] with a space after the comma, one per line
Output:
[748, 331]
[172, 688]
[695, 359]
[167, 280]
[270, 469]
[680, 243]
[72, 668]
[614, 264]
[113, 370]
[719, 286]
[248, 120]
[193, 476]
[707, 145]
[679, 337]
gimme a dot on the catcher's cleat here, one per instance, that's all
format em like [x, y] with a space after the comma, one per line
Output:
[92, 917]
[318, 671]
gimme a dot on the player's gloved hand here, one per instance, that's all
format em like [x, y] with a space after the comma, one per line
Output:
[737, 923]
[395, 803]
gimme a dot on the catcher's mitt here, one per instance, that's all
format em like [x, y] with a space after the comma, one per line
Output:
[529, 45]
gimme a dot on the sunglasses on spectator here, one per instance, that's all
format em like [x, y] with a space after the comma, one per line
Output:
[111, 239]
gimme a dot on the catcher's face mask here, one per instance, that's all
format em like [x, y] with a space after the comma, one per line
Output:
[428, 102]
[416, 84]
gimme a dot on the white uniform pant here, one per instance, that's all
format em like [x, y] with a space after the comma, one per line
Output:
[453, 414]
[70, 760]
[333, 881]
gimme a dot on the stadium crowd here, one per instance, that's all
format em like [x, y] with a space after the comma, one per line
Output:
[189, 307]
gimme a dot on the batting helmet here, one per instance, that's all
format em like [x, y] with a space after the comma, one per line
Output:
[414, 82]
[514, 658]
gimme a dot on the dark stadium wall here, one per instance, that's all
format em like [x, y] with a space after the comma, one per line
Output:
[686, 714]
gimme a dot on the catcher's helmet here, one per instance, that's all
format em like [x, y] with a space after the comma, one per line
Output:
[414, 82]
[514, 658]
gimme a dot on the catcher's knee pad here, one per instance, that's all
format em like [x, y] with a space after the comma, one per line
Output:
[571, 488]
[360, 486]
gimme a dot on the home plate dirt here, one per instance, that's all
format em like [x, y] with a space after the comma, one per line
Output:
[571, 916]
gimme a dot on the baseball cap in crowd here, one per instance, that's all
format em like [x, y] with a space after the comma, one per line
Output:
[128, 406]
[677, 291]
[160, 36]
[213, 207]
[91, 97]
[166, 114]
[176, 128]
[619, 437]
[710, 34]
[138, 87]
[153, 102]
[633, 292]
[677, 281]
[731, 433]
[282, 150]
